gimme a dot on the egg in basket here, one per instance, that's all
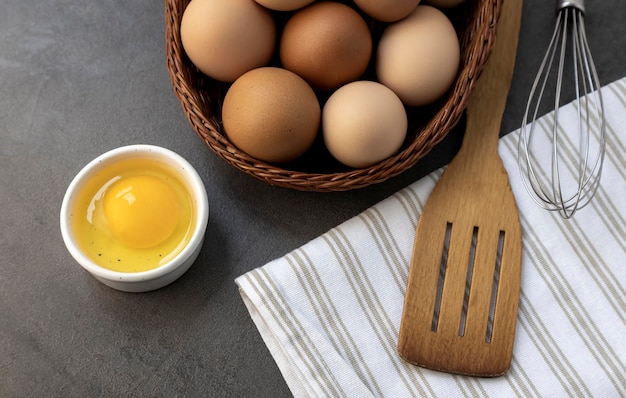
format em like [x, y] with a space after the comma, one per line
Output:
[325, 95]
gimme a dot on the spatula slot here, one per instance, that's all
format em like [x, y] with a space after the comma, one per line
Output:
[494, 288]
[442, 276]
[468, 281]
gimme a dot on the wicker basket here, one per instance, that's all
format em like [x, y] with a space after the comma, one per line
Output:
[201, 99]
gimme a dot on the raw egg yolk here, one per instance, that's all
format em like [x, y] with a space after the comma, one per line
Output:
[141, 211]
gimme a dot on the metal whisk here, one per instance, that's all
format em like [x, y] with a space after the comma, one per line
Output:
[561, 166]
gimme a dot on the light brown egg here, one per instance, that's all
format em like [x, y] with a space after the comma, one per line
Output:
[387, 10]
[419, 56]
[363, 123]
[284, 5]
[328, 44]
[226, 38]
[271, 114]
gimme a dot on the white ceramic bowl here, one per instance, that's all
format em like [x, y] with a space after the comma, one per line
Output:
[166, 273]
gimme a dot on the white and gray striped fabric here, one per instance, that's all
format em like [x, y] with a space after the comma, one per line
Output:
[329, 311]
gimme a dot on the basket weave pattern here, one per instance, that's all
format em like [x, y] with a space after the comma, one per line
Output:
[201, 99]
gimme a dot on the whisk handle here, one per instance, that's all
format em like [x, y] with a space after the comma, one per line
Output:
[579, 4]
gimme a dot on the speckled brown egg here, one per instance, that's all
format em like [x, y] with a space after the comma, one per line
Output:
[226, 38]
[328, 44]
[271, 114]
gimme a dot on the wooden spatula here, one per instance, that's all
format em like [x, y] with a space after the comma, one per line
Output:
[460, 307]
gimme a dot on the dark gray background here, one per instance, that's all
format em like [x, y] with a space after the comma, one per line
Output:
[78, 78]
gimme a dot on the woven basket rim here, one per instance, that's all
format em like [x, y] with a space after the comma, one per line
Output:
[479, 38]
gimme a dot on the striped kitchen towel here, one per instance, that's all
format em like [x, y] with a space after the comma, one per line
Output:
[329, 311]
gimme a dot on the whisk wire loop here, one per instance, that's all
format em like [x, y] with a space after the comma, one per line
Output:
[570, 164]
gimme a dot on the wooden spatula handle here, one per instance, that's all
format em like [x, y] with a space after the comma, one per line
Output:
[488, 100]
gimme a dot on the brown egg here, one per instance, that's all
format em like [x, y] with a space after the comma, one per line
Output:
[284, 5]
[387, 10]
[271, 114]
[226, 38]
[328, 44]
[363, 123]
[418, 57]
